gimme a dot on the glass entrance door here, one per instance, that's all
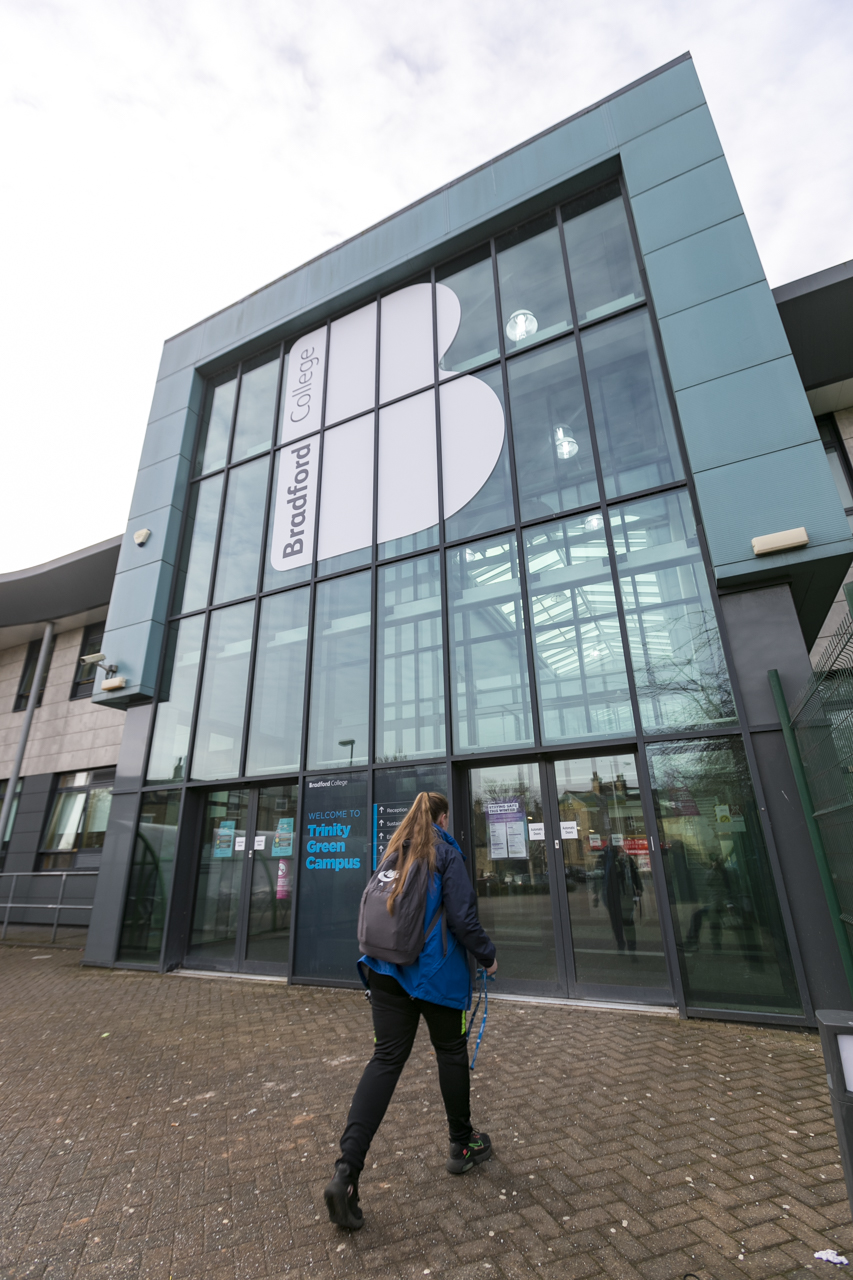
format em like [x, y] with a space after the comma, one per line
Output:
[244, 886]
[614, 928]
[564, 879]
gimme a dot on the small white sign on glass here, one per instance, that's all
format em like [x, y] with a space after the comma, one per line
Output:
[239, 844]
[569, 830]
[536, 830]
[260, 842]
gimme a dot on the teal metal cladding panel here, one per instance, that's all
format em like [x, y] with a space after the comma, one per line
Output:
[165, 526]
[767, 494]
[673, 149]
[655, 102]
[704, 266]
[167, 436]
[684, 205]
[723, 335]
[160, 481]
[745, 414]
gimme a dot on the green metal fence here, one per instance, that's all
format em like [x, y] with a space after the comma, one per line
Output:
[818, 730]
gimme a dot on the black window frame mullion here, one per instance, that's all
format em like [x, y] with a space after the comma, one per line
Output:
[521, 560]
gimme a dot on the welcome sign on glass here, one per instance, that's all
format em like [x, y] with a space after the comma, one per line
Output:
[472, 430]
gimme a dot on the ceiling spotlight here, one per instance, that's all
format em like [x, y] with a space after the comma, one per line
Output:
[520, 325]
[567, 445]
[593, 523]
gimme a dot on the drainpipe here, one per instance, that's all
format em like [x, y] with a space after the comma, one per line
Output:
[12, 784]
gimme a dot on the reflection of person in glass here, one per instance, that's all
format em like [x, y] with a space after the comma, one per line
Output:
[717, 903]
[621, 888]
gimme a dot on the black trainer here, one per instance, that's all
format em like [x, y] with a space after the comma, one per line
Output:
[341, 1196]
[464, 1155]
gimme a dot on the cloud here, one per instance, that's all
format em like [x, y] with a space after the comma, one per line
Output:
[163, 159]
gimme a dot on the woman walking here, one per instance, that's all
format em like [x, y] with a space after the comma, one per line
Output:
[437, 985]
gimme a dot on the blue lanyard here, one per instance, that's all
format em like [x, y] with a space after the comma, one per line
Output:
[483, 995]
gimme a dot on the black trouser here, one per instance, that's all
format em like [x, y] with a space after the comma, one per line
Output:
[395, 1024]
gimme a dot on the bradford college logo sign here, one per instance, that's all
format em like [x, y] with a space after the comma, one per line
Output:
[472, 430]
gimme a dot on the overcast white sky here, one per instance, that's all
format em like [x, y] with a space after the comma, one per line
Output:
[162, 158]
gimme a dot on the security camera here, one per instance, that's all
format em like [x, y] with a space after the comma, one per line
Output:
[92, 657]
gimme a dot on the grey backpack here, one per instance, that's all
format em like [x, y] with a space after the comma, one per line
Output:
[397, 938]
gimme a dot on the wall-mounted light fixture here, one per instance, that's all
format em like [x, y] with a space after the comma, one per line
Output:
[787, 540]
[141, 537]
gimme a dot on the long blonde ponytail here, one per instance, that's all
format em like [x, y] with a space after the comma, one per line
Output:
[415, 838]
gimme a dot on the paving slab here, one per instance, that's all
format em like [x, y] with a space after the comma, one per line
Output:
[177, 1128]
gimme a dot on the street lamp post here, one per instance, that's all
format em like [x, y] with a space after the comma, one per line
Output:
[347, 742]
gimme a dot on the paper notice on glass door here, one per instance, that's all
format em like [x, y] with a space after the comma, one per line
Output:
[569, 830]
[506, 829]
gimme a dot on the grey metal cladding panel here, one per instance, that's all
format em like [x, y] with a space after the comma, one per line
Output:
[655, 101]
[745, 414]
[689, 203]
[723, 335]
[173, 434]
[108, 907]
[134, 740]
[136, 649]
[756, 496]
[160, 485]
[674, 148]
[181, 390]
[703, 266]
[165, 526]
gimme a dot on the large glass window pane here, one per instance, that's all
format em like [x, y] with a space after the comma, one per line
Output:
[472, 281]
[681, 675]
[511, 870]
[215, 426]
[256, 408]
[242, 530]
[220, 872]
[171, 739]
[731, 940]
[616, 934]
[150, 878]
[64, 822]
[410, 673]
[340, 673]
[275, 730]
[333, 870]
[475, 456]
[192, 580]
[270, 906]
[630, 409]
[553, 452]
[280, 577]
[490, 690]
[222, 706]
[580, 664]
[534, 293]
[394, 792]
[605, 275]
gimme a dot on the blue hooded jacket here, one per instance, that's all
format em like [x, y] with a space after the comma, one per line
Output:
[436, 977]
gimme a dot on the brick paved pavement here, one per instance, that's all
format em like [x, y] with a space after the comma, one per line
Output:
[185, 1127]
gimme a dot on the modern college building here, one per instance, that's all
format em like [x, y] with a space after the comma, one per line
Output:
[517, 495]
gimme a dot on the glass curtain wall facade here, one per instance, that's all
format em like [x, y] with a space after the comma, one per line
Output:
[448, 539]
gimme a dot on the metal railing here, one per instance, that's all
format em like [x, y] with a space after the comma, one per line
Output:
[56, 907]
